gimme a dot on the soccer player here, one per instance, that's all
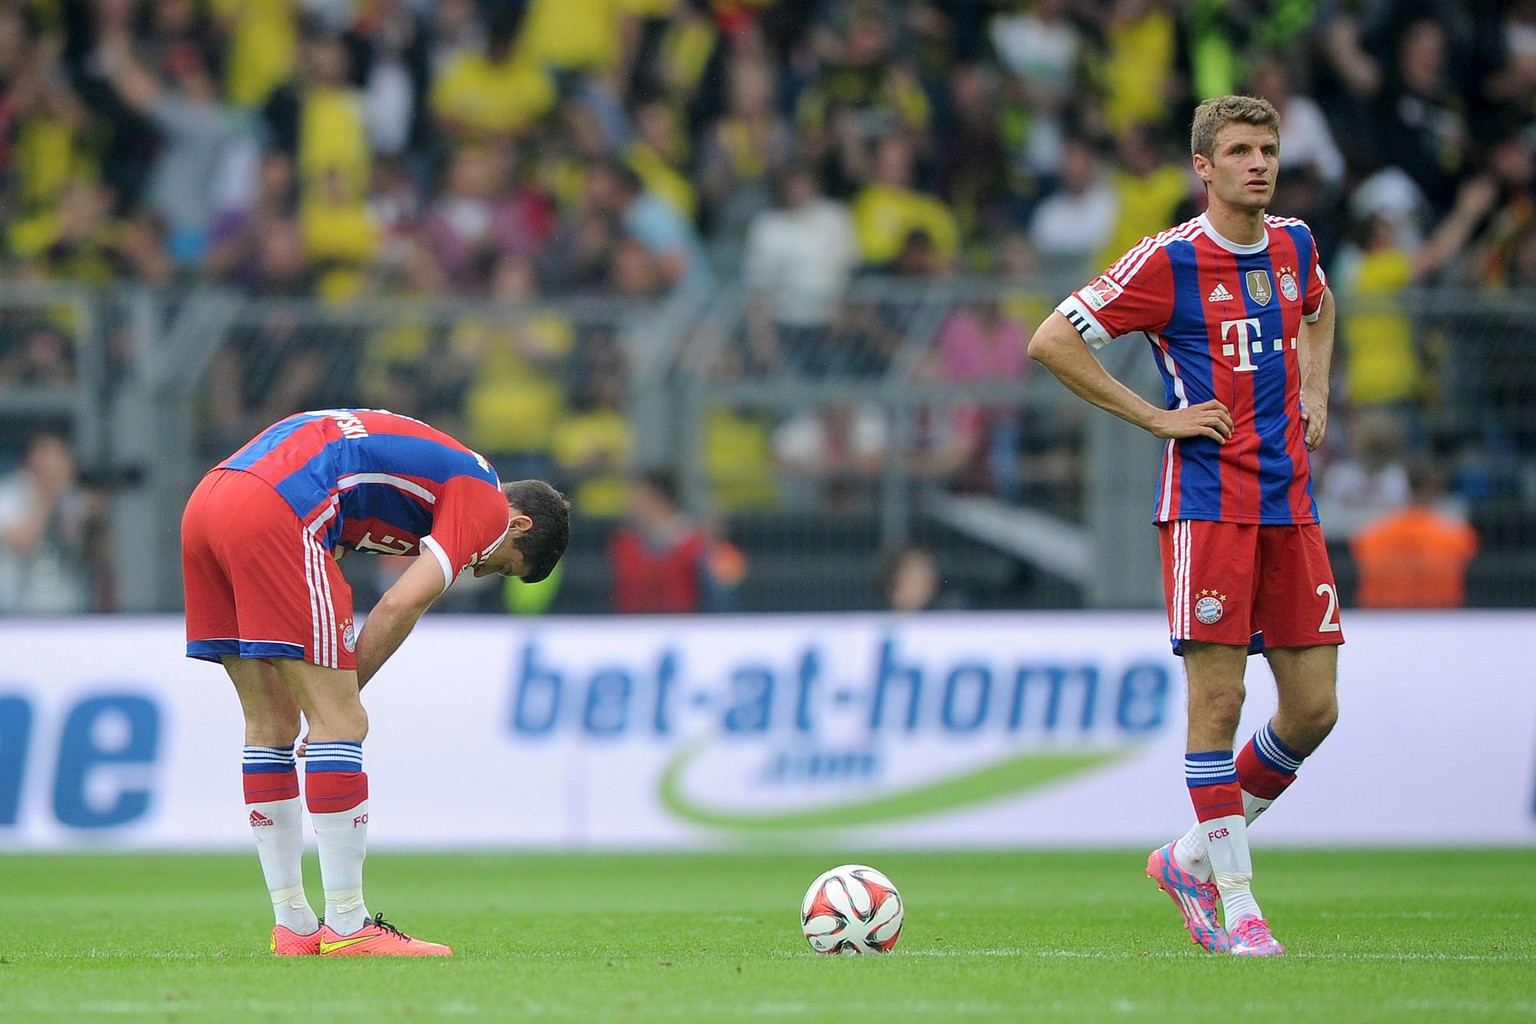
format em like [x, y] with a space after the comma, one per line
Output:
[1240, 320]
[265, 596]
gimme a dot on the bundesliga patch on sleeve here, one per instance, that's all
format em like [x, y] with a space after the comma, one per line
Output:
[1100, 292]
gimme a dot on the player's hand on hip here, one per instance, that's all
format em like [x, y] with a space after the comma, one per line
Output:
[1208, 419]
[1314, 418]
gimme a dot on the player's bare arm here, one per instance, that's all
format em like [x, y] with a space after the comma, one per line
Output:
[393, 618]
[1059, 348]
[1315, 352]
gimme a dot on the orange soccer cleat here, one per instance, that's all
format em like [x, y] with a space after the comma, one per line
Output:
[376, 938]
[286, 942]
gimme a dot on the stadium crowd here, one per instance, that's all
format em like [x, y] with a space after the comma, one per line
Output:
[644, 150]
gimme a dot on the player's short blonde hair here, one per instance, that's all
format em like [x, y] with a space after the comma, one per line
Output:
[1214, 115]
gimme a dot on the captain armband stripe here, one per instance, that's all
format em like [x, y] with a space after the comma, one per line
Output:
[1084, 322]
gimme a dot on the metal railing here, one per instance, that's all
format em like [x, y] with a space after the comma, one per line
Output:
[164, 386]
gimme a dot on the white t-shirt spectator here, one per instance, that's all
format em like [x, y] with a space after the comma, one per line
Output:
[801, 261]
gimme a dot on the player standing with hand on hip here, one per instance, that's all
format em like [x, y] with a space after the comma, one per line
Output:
[1241, 321]
[265, 597]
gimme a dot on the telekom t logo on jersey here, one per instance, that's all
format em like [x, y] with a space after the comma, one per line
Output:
[1246, 344]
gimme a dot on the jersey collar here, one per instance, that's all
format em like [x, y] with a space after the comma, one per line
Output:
[1227, 243]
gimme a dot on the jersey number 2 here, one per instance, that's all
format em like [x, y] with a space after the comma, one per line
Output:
[1330, 623]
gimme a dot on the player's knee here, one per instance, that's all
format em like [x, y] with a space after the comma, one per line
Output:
[275, 727]
[1217, 713]
[351, 723]
[1319, 720]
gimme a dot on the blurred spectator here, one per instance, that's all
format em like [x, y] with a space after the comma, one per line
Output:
[888, 211]
[860, 93]
[496, 94]
[979, 343]
[798, 261]
[1511, 170]
[660, 155]
[837, 448]
[45, 358]
[1382, 362]
[261, 47]
[1149, 189]
[664, 562]
[318, 120]
[1073, 224]
[592, 444]
[196, 130]
[50, 533]
[1416, 114]
[1043, 50]
[236, 238]
[911, 582]
[596, 36]
[514, 362]
[1223, 36]
[395, 75]
[1415, 557]
[1141, 43]
[41, 127]
[1308, 141]
[744, 152]
[1373, 478]
[615, 190]
[974, 165]
[479, 219]
[76, 239]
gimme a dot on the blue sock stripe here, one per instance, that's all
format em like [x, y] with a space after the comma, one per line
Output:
[267, 760]
[1209, 768]
[1273, 751]
[334, 756]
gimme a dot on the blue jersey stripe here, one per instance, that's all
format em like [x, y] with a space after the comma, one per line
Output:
[1268, 381]
[264, 443]
[309, 487]
[415, 456]
[1199, 482]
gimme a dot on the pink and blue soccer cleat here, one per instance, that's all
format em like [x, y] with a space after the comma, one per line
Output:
[1250, 937]
[1195, 899]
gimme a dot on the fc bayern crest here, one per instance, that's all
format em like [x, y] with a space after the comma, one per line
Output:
[349, 637]
[1288, 285]
[1258, 286]
[1209, 607]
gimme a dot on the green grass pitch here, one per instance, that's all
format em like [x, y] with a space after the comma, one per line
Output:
[1060, 937]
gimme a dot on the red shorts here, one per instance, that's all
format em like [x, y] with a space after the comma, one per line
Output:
[258, 585]
[1237, 583]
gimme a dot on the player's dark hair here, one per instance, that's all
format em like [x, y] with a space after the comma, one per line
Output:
[545, 541]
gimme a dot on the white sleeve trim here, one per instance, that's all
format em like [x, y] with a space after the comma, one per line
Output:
[1084, 322]
[429, 544]
[1311, 317]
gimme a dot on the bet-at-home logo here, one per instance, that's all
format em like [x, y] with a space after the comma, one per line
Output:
[800, 744]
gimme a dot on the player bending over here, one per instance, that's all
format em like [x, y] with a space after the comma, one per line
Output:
[266, 598]
[1240, 320]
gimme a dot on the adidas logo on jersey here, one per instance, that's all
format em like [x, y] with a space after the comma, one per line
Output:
[258, 819]
[1219, 294]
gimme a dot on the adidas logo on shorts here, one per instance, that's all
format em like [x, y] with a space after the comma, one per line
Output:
[258, 820]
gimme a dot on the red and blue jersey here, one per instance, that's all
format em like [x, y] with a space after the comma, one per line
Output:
[1223, 320]
[378, 482]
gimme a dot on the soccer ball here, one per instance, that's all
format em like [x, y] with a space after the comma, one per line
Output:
[851, 909]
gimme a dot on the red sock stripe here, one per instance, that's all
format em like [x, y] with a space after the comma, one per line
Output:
[1259, 778]
[329, 792]
[264, 787]
[1216, 801]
